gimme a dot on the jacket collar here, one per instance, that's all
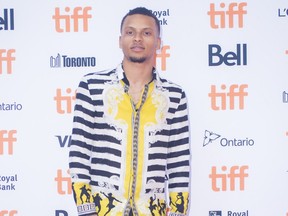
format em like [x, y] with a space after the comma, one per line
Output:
[121, 75]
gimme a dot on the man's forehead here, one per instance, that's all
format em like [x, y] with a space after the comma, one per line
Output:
[139, 18]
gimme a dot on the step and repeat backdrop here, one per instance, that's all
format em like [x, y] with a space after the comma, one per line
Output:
[231, 57]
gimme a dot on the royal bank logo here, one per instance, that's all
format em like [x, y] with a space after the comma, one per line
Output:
[229, 213]
[162, 16]
[59, 61]
[215, 213]
[8, 182]
[211, 137]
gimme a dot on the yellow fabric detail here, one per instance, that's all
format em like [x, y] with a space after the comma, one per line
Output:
[82, 193]
[179, 202]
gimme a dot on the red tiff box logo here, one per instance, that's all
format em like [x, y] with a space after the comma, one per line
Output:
[8, 213]
[227, 179]
[71, 19]
[7, 138]
[64, 101]
[6, 60]
[231, 96]
[64, 183]
[233, 15]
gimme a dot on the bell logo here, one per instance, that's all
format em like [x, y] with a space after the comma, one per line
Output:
[219, 99]
[7, 21]
[230, 58]
[8, 213]
[219, 18]
[61, 188]
[6, 58]
[163, 55]
[64, 101]
[63, 21]
[9, 138]
[232, 178]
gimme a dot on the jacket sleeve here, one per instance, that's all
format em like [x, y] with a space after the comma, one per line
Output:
[80, 150]
[178, 164]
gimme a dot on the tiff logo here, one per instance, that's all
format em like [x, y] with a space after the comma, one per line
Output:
[8, 213]
[64, 103]
[7, 21]
[163, 55]
[6, 58]
[64, 184]
[63, 20]
[219, 99]
[285, 97]
[220, 17]
[235, 177]
[9, 138]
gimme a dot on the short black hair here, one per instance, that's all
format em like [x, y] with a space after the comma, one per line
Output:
[142, 11]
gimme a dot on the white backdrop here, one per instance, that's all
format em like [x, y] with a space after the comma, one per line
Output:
[238, 109]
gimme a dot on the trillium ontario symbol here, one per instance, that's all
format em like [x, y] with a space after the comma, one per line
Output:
[209, 137]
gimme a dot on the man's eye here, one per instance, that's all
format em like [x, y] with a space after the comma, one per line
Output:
[129, 32]
[147, 33]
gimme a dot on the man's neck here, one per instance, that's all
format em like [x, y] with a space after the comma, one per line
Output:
[138, 74]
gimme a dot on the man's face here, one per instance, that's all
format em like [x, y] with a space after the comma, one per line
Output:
[139, 38]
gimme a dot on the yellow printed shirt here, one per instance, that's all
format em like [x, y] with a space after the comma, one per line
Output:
[130, 157]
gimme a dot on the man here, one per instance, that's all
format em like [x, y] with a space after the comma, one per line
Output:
[130, 135]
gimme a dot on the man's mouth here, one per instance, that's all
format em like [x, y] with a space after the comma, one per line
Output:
[137, 48]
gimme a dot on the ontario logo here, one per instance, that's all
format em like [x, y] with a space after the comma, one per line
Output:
[211, 137]
[59, 61]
